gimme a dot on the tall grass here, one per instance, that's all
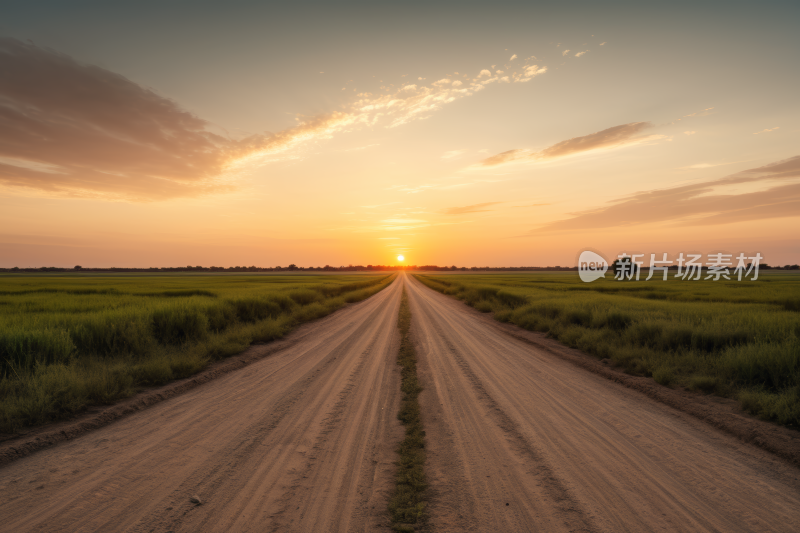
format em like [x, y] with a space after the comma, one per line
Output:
[735, 339]
[68, 342]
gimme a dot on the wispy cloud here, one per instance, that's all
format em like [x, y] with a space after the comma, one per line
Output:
[709, 165]
[579, 54]
[468, 209]
[705, 112]
[615, 137]
[565, 52]
[71, 129]
[708, 203]
[689, 132]
[767, 130]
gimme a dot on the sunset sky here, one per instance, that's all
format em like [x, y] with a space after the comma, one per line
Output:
[501, 134]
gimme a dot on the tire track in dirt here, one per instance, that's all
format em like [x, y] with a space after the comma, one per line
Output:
[300, 441]
[569, 450]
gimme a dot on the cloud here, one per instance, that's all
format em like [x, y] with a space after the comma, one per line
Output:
[467, 209]
[505, 157]
[70, 129]
[513, 57]
[484, 72]
[704, 165]
[766, 131]
[689, 132]
[704, 113]
[603, 43]
[579, 54]
[616, 137]
[565, 52]
[529, 73]
[624, 134]
[708, 203]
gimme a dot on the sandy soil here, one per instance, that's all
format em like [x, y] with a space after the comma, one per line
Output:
[303, 440]
[520, 439]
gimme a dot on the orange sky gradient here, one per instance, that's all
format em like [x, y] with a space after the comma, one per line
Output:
[504, 137]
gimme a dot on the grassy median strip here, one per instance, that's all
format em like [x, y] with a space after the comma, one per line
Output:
[407, 505]
[735, 339]
[70, 342]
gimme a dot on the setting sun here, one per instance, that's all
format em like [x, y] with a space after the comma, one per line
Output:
[400, 258]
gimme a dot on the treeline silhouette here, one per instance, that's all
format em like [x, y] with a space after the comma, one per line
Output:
[329, 268]
[290, 268]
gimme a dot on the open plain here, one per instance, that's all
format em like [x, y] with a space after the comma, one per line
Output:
[518, 439]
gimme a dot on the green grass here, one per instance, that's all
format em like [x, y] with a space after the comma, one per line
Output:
[71, 341]
[731, 338]
[407, 504]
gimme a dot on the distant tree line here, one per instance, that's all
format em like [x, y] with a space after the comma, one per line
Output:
[328, 268]
[290, 268]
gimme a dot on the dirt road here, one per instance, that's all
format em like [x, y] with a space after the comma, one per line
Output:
[304, 441]
[520, 440]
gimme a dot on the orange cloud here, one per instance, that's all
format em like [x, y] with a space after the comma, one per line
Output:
[700, 203]
[70, 129]
[79, 130]
[616, 137]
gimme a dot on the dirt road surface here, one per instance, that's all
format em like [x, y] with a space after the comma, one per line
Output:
[520, 440]
[304, 441]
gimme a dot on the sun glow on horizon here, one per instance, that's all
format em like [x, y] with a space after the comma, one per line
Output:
[401, 258]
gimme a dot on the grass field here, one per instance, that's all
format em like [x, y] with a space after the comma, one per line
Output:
[731, 338]
[70, 341]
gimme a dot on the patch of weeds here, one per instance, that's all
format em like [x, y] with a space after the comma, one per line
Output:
[407, 504]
